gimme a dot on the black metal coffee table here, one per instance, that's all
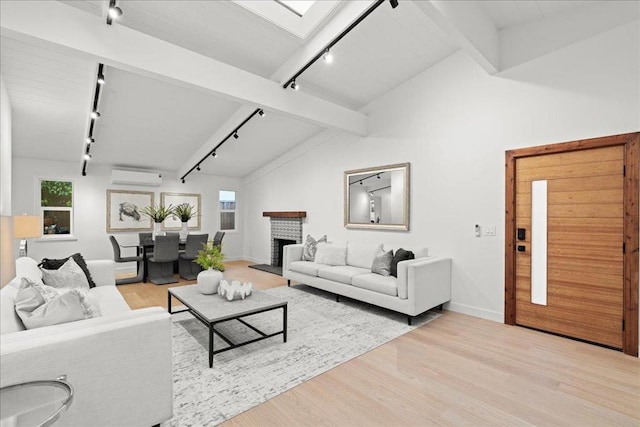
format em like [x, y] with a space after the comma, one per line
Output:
[213, 309]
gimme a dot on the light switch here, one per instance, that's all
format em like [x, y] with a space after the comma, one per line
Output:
[490, 230]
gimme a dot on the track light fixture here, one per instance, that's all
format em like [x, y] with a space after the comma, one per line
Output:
[325, 51]
[100, 79]
[87, 156]
[198, 168]
[95, 115]
[183, 180]
[114, 12]
[233, 133]
[89, 140]
[378, 176]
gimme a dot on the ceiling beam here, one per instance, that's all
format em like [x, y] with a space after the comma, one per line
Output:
[56, 25]
[469, 27]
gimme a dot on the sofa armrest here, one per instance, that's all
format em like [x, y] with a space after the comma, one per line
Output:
[103, 272]
[290, 254]
[428, 283]
[120, 366]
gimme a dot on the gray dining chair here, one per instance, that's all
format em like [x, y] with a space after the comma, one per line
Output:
[217, 238]
[138, 259]
[187, 267]
[165, 253]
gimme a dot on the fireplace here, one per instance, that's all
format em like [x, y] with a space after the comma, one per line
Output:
[286, 229]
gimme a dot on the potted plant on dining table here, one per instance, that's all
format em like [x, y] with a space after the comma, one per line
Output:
[158, 213]
[184, 212]
[210, 258]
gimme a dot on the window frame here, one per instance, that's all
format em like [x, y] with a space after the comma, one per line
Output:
[235, 211]
[41, 209]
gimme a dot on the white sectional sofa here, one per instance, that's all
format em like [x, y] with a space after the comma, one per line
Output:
[119, 364]
[421, 283]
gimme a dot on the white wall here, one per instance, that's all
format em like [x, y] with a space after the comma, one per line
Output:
[7, 265]
[90, 199]
[454, 122]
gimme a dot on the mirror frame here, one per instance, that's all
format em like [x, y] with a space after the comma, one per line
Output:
[405, 197]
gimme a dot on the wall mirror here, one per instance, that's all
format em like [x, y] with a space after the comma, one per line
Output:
[377, 197]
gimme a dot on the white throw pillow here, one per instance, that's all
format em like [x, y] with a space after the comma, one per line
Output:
[69, 276]
[40, 305]
[331, 254]
[361, 254]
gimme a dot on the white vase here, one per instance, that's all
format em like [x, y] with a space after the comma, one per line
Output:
[209, 280]
[184, 231]
[157, 229]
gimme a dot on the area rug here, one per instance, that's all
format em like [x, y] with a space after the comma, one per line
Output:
[322, 334]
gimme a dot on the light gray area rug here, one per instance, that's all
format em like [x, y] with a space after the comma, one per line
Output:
[322, 334]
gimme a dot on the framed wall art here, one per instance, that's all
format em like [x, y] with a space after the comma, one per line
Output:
[124, 210]
[175, 199]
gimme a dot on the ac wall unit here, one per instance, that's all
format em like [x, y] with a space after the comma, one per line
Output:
[135, 178]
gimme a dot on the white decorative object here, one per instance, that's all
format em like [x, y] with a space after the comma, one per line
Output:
[157, 230]
[184, 231]
[209, 280]
[235, 290]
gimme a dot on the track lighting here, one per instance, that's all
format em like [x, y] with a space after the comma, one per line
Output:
[394, 3]
[328, 57]
[87, 156]
[115, 12]
[294, 85]
[90, 140]
[100, 79]
[235, 135]
[198, 168]
[378, 176]
[261, 113]
[95, 114]
[360, 182]
[183, 180]
[214, 154]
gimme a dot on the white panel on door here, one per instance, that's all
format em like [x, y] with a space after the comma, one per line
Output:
[539, 242]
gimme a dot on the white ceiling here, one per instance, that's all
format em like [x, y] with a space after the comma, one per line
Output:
[156, 124]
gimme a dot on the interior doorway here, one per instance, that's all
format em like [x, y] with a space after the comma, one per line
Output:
[571, 250]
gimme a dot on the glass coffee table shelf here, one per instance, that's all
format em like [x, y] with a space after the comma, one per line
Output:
[34, 403]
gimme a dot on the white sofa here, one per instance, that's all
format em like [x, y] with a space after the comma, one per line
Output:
[421, 284]
[119, 364]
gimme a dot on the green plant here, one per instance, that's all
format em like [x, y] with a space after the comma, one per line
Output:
[210, 256]
[185, 212]
[158, 213]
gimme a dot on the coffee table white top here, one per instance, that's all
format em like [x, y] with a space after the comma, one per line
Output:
[215, 308]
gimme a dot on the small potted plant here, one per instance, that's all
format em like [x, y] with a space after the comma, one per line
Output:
[158, 213]
[210, 259]
[184, 212]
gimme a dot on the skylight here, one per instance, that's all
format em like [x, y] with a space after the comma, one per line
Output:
[299, 7]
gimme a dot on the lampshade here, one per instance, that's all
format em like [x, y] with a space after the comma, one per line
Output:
[26, 226]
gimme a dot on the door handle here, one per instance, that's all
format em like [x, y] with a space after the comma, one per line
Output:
[521, 248]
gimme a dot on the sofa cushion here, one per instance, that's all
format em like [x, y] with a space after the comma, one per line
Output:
[330, 254]
[40, 305]
[375, 282]
[108, 299]
[382, 263]
[55, 264]
[400, 255]
[28, 268]
[9, 320]
[342, 274]
[309, 249]
[305, 267]
[68, 276]
[361, 254]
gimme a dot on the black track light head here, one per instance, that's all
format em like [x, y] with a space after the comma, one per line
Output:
[261, 113]
[235, 135]
[100, 79]
[295, 85]
[327, 56]
[360, 182]
[90, 140]
[87, 156]
[183, 180]
[95, 115]
[115, 12]
[394, 3]
[378, 176]
[214, 154]
[198, 168]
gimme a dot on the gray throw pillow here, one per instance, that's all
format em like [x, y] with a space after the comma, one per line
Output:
[382, 263]
[69, 276]
[40, 305]
[310, 246]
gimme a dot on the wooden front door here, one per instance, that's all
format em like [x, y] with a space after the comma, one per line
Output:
[572, 237]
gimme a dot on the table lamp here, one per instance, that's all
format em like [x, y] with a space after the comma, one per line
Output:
[25, 227]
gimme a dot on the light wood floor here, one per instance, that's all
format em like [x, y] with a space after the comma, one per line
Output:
[455, 370]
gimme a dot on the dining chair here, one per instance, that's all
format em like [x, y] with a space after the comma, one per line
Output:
[217, 238]
[138, 259]
[187, 267]
[165, 253]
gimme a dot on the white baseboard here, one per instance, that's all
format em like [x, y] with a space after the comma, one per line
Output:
[475, 311]
[257, 260]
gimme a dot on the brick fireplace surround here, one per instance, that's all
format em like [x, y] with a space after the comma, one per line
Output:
[285, 226]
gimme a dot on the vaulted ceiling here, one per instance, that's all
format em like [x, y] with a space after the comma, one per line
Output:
[181, 75]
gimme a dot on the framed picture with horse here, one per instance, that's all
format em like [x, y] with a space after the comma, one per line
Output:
[124, 210]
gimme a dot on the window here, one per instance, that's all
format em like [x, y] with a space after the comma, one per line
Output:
[56, 204]
[227, 210]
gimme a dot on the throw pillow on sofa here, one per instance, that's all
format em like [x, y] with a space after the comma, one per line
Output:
[382, 263]
[310, 246]
[69, 276]
[54, 264]
[40, 305]
[401, 255]
[331, 254]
